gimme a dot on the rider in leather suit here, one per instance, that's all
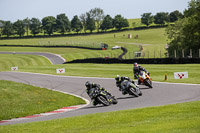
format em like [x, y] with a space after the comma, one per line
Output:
[90, 85]
[136, 70]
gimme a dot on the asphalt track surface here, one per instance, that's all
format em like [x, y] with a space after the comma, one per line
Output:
[54, 59]
[161, 94]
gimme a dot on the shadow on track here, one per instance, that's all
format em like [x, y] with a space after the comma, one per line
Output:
[91, 106]
[145, 88]
[126, 97]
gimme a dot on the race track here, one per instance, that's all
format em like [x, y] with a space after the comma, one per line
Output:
[161, 94]
[53, 58]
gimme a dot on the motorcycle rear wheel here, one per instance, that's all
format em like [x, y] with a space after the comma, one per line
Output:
[114, 101]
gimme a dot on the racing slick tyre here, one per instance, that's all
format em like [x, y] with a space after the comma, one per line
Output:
[149, 83]
[114, 101]
[134, 92]
[103, 100]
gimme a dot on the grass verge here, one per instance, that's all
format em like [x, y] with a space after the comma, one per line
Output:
[7, 61]
[111, 70]
[181, 118]
[18, 100]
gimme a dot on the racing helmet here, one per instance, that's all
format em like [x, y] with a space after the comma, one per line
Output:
[88, 84]
[135, 65]
[117, 78]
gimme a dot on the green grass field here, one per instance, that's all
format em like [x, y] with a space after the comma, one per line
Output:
[7, 61]
[177, 118]
[19, 100]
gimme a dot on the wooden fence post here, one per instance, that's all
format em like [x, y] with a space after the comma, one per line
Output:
[199, 53]
[183, 53]
[174, 53]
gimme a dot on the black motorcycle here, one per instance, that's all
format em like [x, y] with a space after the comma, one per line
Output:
[102, 97]
[130, 88]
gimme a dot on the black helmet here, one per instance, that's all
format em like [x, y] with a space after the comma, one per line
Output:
[88, 84]
[117, 78]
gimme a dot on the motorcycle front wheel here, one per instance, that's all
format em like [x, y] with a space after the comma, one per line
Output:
[103, 100]
[133, 92]
[149, 83]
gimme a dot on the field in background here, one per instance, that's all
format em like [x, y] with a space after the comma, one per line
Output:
[152, 41]
[7, 61]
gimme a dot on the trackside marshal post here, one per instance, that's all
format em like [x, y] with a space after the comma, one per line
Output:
[180, 75]
[61, 70]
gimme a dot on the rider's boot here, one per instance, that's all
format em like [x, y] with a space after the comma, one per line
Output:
[94, 103]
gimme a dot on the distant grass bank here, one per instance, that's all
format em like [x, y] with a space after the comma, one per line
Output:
[157, 72]
[152, 41]
[177, 118]
[18, 100]
[12, 60]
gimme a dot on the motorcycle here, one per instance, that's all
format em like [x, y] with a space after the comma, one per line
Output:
[130, 88]
[101, 97]
[145, 79]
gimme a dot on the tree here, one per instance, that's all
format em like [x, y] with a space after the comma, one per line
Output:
[98, 15]
[8, 28]
[35, 26]
[1, 26]
[62, 23]
[192, 8]
[175, 15]
[147, 19]
[119, 22]
[185, 33]
[107, 23]
[76, 24]
[83, 21]
[27, 24]
[90, 23]
[19, 27]
[49, 24]
[161, 18]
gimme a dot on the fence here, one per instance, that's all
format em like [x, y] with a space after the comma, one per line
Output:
[191, 53]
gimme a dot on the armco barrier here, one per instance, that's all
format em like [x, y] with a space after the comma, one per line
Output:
[140, 61]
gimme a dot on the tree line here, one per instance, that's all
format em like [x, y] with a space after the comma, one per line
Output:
[95, 19]
[184, 35]
[92, 20]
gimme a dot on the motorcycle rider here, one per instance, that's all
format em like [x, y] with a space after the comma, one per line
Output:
[89, 85]
[136, 70]
[119, 80]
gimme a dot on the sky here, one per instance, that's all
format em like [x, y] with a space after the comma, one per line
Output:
[12, 10]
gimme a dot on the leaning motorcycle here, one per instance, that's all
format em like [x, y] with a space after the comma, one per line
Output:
[145, 79]
[130, 88]
[101, 97]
